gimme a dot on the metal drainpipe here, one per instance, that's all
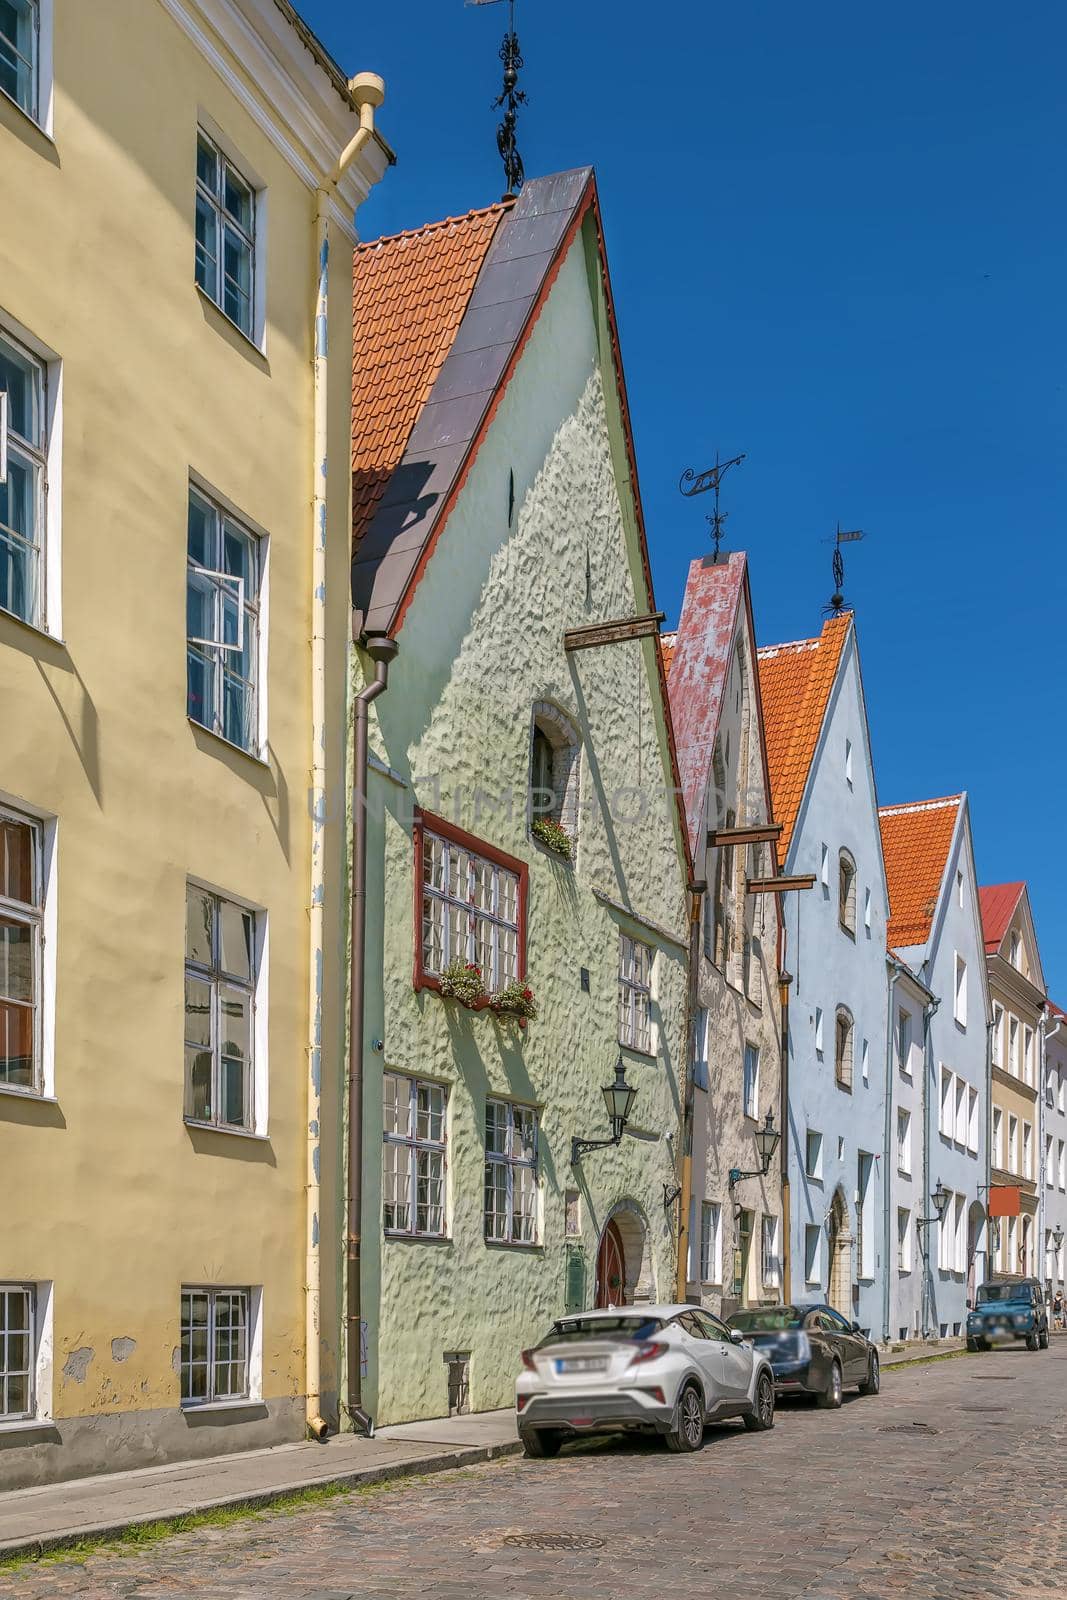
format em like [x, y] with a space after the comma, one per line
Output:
[381, 651]
[889, 1163]
[368, 91]
[929, 1012]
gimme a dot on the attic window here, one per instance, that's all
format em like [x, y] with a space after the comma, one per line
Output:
[846, 892]
[848, 762]
[555, 771]
[843, 1029]
[1015, 955]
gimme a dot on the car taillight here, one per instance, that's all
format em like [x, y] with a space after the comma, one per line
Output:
[528, 1361]
[647, 1352]
[520, 1401]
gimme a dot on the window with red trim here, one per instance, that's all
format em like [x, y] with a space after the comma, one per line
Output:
[471, 906]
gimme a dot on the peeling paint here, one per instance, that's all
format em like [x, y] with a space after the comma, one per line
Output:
[122, 1349]
[315, 1229]
[77, 1363]
[316, 1162]
[313, 1128]
[176, 1360]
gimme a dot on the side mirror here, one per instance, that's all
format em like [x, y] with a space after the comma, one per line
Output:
[970, 1305]
[736, 1336]
[855, 1327]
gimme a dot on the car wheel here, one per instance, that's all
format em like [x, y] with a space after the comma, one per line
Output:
[873, 1382]
[1042, 1342]
[538, 1442]
[761, 1417]
[974, 1344]
[830, 1398]
[687, 1432]
[1031, 1342]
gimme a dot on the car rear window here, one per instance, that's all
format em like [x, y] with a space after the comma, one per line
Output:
[1003, 1291]
[774, 1320]
[604, 1328]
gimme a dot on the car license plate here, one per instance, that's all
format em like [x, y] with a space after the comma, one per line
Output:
[582, 1364]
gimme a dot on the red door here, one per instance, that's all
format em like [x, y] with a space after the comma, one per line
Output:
[610, 1269]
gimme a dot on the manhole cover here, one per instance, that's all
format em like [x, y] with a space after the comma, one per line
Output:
[554, 1541]
[908, 1427]
[983, 1408]
[993, 1377]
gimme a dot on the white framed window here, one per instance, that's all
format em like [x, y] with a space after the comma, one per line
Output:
[960, 1006]
[224, 585]
[1013, 1047]
[1061, 1164]
[711, 1242]
[946, 1238]
[848, 762]
[972, 1120]
[26, 57]
[1013, 1145]
[225, 1012]
[18, 1341]
[824, 867]
[1050, 1164]
[751, 1081]
[511, 1173]
[635, 994]
[22, 926]
[1061, 1092]
[812, 1252]
[1028, 1150]
[1028, 1055]
[996, 1154]
[413, 1156]
[947, 1119]
[904, 1042]
[1050, 1087]
[843, 1044]
[226, 267]
[867, 909]
[864, 1256]
[998, 1032]
[221, 1346]
[959, 889]
[770, 1253]
[904, 1142]
[813, 1154]
[472, 910]
[818, 1030]
[23, 477]
[959, 1131]
[903, 1240]
[1015, 950]
[846, 892]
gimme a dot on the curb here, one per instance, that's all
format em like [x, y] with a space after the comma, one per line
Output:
[471, 1455]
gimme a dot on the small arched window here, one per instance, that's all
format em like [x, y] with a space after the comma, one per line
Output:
[846, 892]
[554, 779]
[843, 1031]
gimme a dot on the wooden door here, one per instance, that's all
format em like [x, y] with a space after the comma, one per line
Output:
[610, 1269]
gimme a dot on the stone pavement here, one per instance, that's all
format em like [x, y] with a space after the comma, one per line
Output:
[945, 1487]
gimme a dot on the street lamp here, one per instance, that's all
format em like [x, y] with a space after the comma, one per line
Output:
[941, 1197]
[766, 1140]
[619, 1099]
[1057, 1239]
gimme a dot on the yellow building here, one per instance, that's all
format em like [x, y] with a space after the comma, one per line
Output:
[175, 517]
[1017, 997]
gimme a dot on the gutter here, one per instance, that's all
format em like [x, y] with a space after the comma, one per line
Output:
[382, 651]
[368, 91]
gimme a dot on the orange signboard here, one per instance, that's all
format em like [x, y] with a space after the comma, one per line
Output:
[1003, 1200]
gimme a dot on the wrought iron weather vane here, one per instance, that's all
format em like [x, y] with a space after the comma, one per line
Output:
[692, 483]
[511, 98]
[837, 599]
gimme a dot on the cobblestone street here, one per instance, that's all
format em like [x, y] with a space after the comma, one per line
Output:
[939, 1489]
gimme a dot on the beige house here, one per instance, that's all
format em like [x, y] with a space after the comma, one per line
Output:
[175, 384]
[733, 1244]
[1017, 998]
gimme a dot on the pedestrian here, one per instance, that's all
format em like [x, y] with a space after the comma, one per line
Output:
[1058, 1310]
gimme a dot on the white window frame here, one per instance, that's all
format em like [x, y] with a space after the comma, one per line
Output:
[959, 1008]
[846, 893]
[947, 1104]
[997, 1134]
[257, 1076]
[43, 916]
[750, 1085]
[812, 1169]
[1012, 1163]
[40, 110]
[904, 1141]
[524, 1168]
[959, 1131]
[245, 174]
[253, 613]
[711, 1242]
[1014, 1038]
[1028, 1054]
[433, 1150]
[1050, 1164]
[818, 1031]
[865, 1061]
[1028, 1150]
[251, 1391]
[824, 867]
[848, 762]
[48, 461]
[998, 1034]
[636, 964]
[903, 1042]
[770, 1252]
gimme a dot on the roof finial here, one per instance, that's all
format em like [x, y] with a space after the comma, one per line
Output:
[692, 483]
[837, 599]
[510, 97]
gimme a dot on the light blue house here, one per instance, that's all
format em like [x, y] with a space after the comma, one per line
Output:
[937, 1099]
[823, 792]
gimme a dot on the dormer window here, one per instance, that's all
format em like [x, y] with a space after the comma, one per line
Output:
[554, 779]
[846, 892]
[1015, 951]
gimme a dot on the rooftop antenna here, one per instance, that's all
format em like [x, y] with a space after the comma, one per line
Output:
[837, 599]
[692, 483]
[510, 97]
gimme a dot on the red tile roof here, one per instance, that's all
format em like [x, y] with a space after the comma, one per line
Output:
[916, 840]
[410, 293]
[997, 903]
[795, 685]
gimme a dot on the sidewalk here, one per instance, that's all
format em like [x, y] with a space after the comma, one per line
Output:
[35, 1520]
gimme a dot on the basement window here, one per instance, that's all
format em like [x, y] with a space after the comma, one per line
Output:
[458, 1366]
[17, 1346]
[220, 1349]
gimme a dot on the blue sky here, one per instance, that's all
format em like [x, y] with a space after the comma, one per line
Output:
[838, 241]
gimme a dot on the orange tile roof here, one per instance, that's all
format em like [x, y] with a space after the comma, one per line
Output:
[916, 840]
[410, 293]
[795, 684]
[667, 642]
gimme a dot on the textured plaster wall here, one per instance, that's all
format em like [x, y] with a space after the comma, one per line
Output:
[722, 1134]
[831, 968]
[481, 643]
[108, 1194]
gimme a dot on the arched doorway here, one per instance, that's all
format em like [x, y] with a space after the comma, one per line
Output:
[610, 1269]
[839, 1291]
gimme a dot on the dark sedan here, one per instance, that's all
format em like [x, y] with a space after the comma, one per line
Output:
[812, 1350]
